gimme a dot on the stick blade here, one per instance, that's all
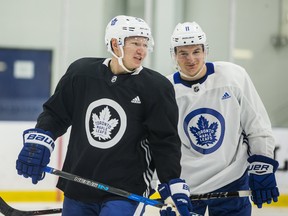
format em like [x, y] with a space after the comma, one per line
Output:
[7, 210]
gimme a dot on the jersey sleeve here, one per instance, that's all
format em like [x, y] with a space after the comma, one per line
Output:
[57, 110]
[161, 121]
[255, 120]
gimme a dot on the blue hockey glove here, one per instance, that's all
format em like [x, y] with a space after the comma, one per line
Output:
[262, 179]
[178, 190]
[35, 154]
[167, 211]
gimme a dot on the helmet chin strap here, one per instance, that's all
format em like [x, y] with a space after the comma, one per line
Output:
[120, 60]
[191, 77]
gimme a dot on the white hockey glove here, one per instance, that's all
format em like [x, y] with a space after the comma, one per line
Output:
[167, 210]
[176, 193]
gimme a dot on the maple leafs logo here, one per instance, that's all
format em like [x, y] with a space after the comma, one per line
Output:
[205, 133]
[113, 22]
[103, 125]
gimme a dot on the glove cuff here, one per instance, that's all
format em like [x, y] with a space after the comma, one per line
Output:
[164, 191]
[261, 165]
[40, 137]
[178, 186]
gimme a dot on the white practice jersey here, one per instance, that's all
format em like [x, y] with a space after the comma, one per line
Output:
[214, 114]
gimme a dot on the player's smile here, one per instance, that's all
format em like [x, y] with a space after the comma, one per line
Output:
[190, 59]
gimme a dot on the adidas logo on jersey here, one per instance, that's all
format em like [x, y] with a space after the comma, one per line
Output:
[136, 100]
[225, 96]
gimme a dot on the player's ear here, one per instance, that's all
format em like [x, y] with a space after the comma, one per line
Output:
[114, 44]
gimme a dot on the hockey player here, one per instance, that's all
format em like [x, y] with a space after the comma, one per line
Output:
[227, 142]
[123, 120]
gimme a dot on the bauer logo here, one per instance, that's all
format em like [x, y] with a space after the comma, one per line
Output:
[37, 137]
[205, 130]
[105, 123]
[260, 168]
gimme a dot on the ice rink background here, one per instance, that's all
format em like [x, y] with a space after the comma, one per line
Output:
[241, 31]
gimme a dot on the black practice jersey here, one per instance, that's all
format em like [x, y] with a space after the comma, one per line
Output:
[122, 128]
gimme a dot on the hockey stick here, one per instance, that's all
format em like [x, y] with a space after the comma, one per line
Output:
[103, 187]
[109, 189]
[138, 198]
[7, 210]
[216, 195]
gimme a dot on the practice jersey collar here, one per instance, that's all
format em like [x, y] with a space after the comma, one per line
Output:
[135, 72]
[178, 80]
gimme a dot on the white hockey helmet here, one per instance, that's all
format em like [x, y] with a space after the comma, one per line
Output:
[187, 33]
[123, 26]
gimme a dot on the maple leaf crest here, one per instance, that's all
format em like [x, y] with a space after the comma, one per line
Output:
[205, 134]
[103, 125]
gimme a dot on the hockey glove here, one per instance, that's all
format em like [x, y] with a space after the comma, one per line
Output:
[262, 179]
[149, 210]
[178, 191]
[35, 154]
[167, 211]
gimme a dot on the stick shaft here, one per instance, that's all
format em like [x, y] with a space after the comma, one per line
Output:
[217, 195]
[10, 211]
[138, 198]
[103, 187]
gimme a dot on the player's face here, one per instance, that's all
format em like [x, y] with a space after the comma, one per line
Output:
[190, 58]
[135, 51]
